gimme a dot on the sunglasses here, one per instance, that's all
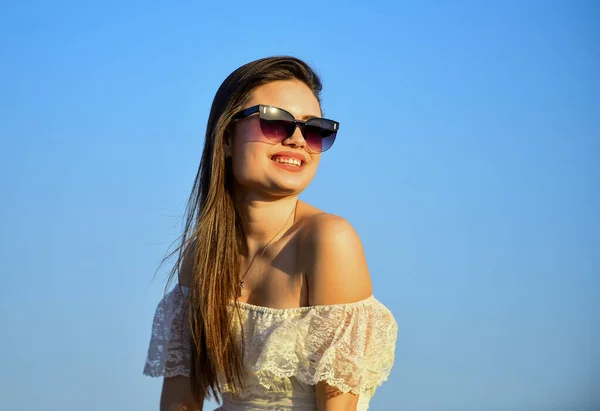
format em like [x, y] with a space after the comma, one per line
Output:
[277, 125]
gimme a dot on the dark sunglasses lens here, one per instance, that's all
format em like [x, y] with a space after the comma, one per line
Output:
[320, 135]
[276, 124]
[276, 130]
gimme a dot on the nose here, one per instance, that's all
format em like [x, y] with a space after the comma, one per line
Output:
[296, 139]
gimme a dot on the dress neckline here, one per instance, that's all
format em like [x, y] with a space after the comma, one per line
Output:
[296, 310]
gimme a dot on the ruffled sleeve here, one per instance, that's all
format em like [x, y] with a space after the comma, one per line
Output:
[349, 346]
[169, 351]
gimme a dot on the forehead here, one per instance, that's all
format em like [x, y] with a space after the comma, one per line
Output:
[291, 95]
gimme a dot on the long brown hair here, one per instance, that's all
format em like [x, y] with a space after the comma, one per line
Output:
[213, 226]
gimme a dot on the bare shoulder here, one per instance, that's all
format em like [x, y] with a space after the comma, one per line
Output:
[334, 260]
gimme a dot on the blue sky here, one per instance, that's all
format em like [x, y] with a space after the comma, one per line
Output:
[468, 160]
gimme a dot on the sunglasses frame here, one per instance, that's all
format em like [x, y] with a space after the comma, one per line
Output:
[297, 123]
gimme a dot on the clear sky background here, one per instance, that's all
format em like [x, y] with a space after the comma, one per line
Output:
[468, 160]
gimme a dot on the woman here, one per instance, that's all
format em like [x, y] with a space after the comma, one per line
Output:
[274, 308]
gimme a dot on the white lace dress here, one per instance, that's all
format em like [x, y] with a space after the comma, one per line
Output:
[288, 351]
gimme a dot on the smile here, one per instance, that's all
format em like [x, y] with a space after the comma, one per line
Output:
[287, 160]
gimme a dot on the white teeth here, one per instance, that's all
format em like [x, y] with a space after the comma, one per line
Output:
[292, 161]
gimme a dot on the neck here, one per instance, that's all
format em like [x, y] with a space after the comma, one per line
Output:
[265, 220]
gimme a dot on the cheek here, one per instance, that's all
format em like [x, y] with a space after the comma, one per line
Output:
[316, 160]
[249, 149]
[241, 170]
[249, 131]
[248, 159]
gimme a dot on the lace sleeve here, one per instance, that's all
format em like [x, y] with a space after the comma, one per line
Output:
[349, 346]
[169, 350]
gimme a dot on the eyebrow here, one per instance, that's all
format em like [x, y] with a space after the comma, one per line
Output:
[307, 117]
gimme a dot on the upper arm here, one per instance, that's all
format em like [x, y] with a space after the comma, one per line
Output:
[336, 271]
[177, 392]
[331, 399]
[177, 395]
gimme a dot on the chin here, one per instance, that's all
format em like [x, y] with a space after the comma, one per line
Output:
[290, 185]
[272, 188]
[285, 190]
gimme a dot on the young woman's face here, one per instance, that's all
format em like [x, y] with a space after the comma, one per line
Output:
[263, 167]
